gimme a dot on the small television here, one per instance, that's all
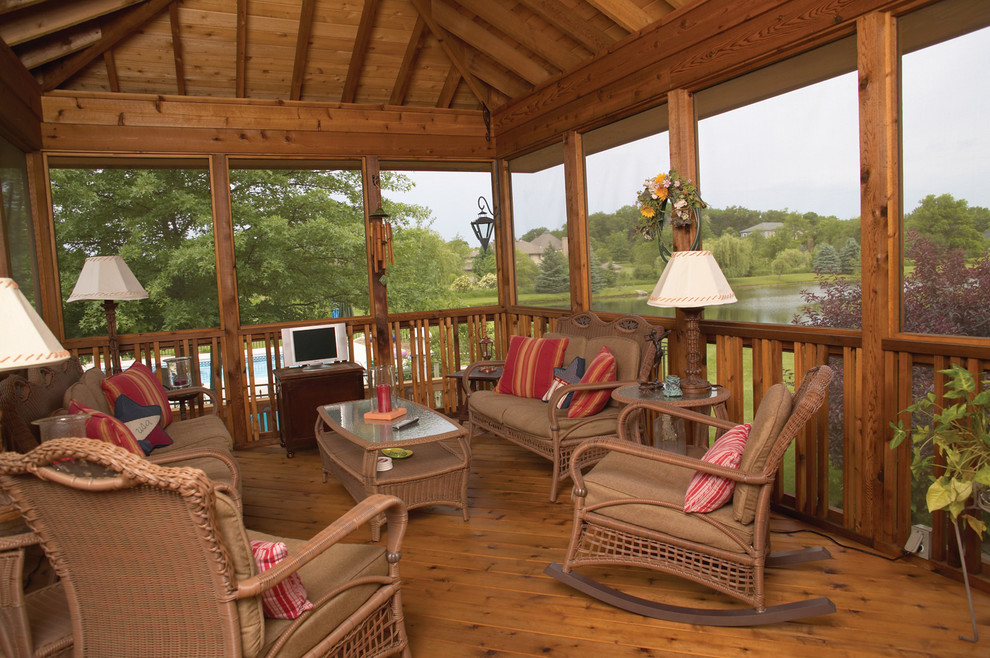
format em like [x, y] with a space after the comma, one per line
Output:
[315, 346]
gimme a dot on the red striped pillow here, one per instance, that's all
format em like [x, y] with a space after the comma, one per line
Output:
[106, 428]
[139, 384]
[708, 492]
[287, 600]
[587, 403]
[528, 370]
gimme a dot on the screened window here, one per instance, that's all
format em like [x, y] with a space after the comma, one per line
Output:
[539, 219]
[619, 158]
[298, 240]
[16, 218]
[946, 201]
[439, 263]
[155, 214]
[779, 165]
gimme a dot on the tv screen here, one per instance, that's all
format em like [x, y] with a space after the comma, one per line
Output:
[314, 346]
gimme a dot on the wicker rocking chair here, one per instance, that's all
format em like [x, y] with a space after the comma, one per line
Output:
[629, 512]
[155, 561]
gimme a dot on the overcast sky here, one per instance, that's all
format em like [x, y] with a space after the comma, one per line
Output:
[797, 151]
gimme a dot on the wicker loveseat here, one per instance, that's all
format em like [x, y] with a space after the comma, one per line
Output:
[543, 428]
[201, 442]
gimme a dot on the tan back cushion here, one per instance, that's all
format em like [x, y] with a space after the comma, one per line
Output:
[249, 612]
[88, 392]
[626, 351]
[576, 346]
[775, 408]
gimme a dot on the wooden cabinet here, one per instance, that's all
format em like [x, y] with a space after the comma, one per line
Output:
[301, 390]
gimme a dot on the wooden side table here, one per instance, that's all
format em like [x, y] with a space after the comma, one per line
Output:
[476, 377]
[695, 436]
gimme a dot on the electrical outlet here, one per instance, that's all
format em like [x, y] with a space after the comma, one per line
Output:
[920, 541]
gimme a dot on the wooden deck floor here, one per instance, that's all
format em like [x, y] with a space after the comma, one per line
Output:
[477, 588]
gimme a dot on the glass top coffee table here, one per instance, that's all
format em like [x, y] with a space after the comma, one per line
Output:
[434, 472]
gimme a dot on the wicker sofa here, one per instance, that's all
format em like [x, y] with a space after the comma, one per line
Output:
[543, 428]
[200, 442]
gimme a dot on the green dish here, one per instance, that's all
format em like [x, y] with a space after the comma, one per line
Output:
[397, 453]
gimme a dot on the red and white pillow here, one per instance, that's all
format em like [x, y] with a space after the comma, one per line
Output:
[106, 428]
[707, 492]
[529, 364]
[287, 600]
[587, 403]
[141, 385]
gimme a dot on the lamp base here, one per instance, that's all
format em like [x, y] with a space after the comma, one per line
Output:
[695, 386]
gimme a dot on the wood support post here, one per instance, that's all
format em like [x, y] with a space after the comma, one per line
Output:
[230, 316]
[872, 511]
[379, 293]
[575, 191]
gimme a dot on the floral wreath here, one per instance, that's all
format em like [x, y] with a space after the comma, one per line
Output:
[667, 196]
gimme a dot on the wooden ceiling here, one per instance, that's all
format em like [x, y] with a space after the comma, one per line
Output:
[465, 54]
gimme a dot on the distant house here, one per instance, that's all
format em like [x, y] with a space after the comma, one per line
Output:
[535, 247]
[766, 228]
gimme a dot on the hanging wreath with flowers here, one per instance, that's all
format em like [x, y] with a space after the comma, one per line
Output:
[668, 198]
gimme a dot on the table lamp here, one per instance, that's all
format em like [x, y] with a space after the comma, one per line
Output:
[690, 281]
[108, 278]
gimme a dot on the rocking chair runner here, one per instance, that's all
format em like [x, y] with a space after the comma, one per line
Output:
[156, 561]
[629, 511]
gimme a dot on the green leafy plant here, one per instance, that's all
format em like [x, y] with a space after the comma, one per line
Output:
[960, 433]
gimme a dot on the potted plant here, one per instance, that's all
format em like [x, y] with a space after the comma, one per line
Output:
[960, 432]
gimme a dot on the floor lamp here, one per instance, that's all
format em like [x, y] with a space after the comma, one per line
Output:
[108, 278]
[690, 281]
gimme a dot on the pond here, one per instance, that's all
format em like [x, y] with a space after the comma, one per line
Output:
[776, 304]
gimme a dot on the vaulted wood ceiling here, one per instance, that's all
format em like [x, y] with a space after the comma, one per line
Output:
[465, 54]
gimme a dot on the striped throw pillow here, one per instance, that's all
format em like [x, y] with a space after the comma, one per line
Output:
[287, 600]
[600, 370]
[707, 492]
[139, 384]
[106, 428]
[528, 370]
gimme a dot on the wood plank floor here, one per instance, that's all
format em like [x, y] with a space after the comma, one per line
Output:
[477, 588]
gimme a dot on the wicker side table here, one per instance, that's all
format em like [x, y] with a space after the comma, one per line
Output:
[696, 438]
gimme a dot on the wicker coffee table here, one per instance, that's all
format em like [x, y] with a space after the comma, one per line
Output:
[435, 474]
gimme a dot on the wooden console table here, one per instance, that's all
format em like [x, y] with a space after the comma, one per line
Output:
[301, 390]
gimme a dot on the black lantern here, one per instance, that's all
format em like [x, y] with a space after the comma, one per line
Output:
[484, 226]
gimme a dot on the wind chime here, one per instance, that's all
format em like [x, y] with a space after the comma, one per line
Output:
[381, 241]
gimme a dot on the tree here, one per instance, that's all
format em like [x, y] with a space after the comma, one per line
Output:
[484, 262]
[733, 254]
[526, 271]
[849, 256]
[424, 269]
[948, 222]
[552, 276]
[789, 261]
[827, 260]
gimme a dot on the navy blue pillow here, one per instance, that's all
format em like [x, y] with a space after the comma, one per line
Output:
[572, 374]
[144, 422]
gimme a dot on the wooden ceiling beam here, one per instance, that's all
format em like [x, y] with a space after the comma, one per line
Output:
[180, 75]
[241, 47]
[628, 15]
[404, 75]
[495, 76]
[116, 31]
[451, 49]
[450, 85]
[484, 41]
[49, 50]
[507, 22]
[561, 17]
[49, 19]
[111, 64]
[306, 11]
[361, 42]
[10, 5]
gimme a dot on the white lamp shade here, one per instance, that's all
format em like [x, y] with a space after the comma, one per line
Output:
[691, 279]
[106, 277]
[27, 340]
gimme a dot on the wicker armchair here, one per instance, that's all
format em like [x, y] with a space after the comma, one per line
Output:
[546, 430]
[155, 561]
[629, 511]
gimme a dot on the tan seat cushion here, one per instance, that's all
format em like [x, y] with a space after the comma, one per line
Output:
[199, 432]
[775, 409]
[339, 564]
[530, 416]
[619, 476]
[250, 615]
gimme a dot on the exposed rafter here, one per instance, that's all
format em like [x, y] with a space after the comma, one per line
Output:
[117, 30]
[360, 50]
[402, 78]
[56, 17]
[70, 41]
[302, 47]
[451, 49]
[551, 11]
[180, 74]
[623, 12]
[240, 65]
